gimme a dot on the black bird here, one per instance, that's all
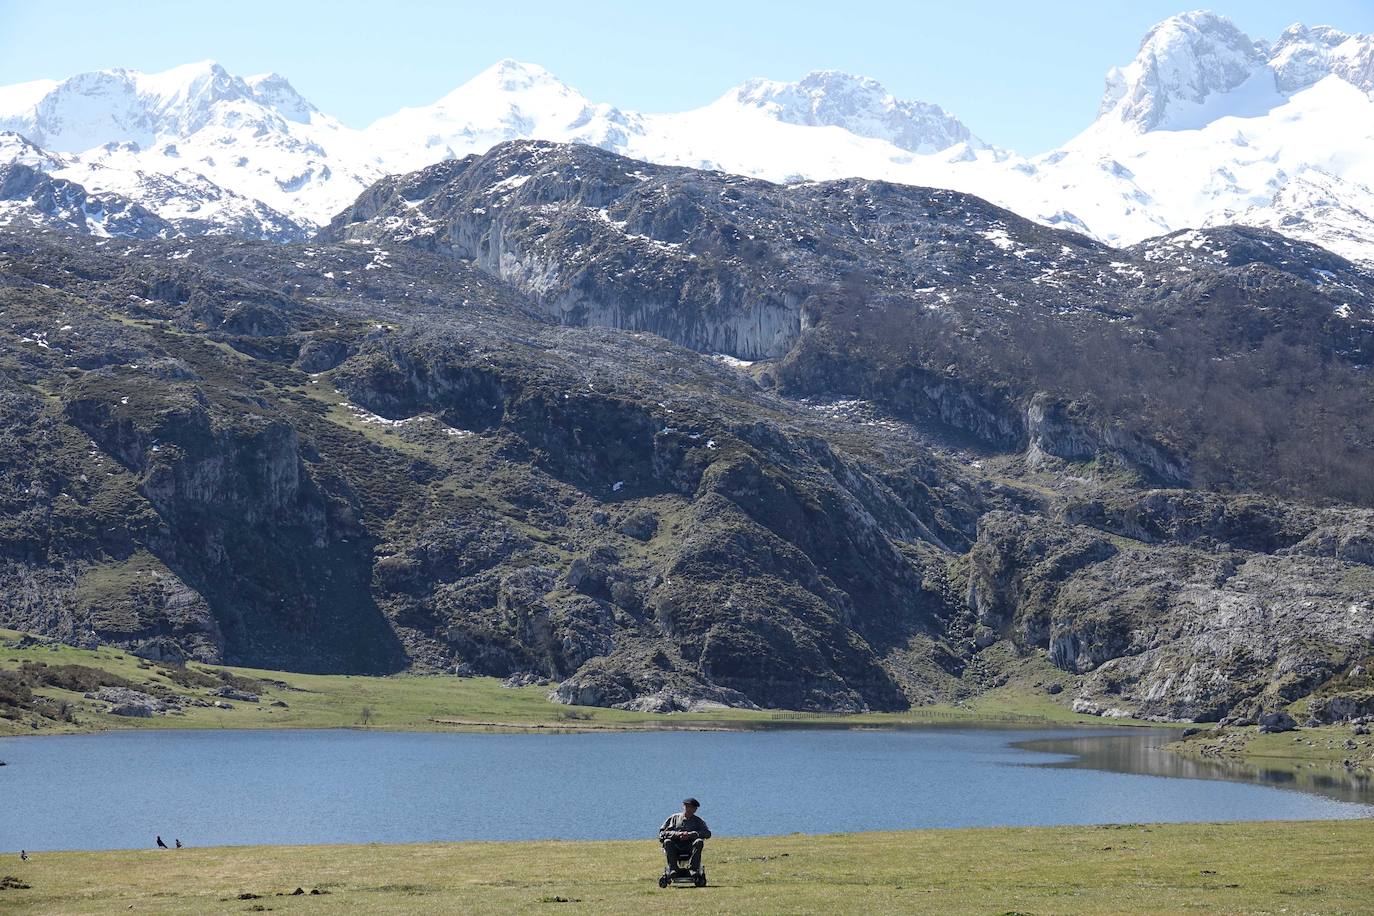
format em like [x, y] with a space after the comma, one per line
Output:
[160, 844]
[23, 856]
[178, 844]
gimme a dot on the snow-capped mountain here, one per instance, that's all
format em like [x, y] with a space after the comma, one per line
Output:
[1315, 205]
[508, 101]
[1185, 62]
[197, 142]
[1205, 126]
[828, 125]
[1302, 57]
[862, 106]
[16, 148]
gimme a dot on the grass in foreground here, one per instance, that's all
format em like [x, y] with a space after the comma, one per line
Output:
[1271, 867]
[434, 703]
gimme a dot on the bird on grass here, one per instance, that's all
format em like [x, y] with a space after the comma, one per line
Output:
[160, 844]
[23, 855]
[178, 844]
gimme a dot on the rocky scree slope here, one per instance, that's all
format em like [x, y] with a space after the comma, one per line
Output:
[416, 443]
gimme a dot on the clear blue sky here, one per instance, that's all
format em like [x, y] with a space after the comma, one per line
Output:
[1025, 75]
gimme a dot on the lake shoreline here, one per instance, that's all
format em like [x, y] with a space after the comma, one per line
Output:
[446, 704]
[212, 696]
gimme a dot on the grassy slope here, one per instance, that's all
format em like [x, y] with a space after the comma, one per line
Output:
[441, 703]
[1228, 868]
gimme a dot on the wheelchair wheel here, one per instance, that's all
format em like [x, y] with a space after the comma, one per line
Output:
[700, 879]
[662, 880]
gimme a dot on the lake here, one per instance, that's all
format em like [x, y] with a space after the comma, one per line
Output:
[120, 789]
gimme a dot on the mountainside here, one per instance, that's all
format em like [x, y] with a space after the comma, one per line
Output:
[1205, 127]
[29, 197]
[672, 438]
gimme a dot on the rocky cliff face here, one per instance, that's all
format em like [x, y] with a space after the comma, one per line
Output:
[672, 439]
[1196, 627]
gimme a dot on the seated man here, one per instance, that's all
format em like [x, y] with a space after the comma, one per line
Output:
[683, 833]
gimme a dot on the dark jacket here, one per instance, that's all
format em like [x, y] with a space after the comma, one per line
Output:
[689, 822]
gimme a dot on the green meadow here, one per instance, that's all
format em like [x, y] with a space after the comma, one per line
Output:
[1270, 868]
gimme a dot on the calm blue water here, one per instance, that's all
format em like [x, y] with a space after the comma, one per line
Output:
[118, 790]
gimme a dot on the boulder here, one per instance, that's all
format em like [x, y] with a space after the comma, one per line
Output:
[135, 703]
[161, 650]
[525, 679]
[641, 525]
[233, 693]
[1276, 721]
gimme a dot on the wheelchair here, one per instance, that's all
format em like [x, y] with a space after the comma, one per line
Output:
[682, 874]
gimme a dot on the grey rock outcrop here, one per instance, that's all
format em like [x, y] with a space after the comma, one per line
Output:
[1276, 721]
[233, 693]
[1342, 707]
[1171, 632]
[30, 195]
[135, 703]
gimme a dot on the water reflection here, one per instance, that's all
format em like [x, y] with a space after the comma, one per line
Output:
[1142, 751]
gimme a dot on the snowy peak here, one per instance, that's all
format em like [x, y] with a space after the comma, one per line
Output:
[1204, 127]
[858, 104]
[507, 101]
[195, 143]
[1304, 56]
[1198, 66]
[105, 106]
[1183, 63]
[31, 197]
[272, 90]
[511, 76]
